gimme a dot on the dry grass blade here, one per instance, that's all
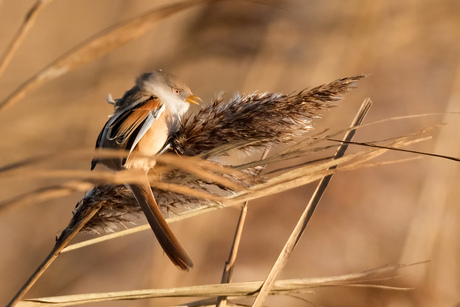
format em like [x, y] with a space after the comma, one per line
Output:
[137, 229]
[236, 289]
[294, 178]
[108, 177]
[45, 194]
[302, 175]
[229, 264]
[61, 242]
[171, 160]
[307, 214]
[400, 149]
[284, 182]
[201, 168]
[19, 37]
[96, 47]
[306, 146]
[189, 164]
[206, 170]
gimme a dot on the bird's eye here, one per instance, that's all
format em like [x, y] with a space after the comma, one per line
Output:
[176, 91]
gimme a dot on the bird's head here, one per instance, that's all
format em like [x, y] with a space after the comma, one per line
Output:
[169, 89]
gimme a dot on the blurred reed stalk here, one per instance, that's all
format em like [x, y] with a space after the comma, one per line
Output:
[235, 184]
[106, 41]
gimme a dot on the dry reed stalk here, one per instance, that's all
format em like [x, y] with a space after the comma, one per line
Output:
[97, 46]
[122, 233]
[429, 233]
[110, 204]
[22, 32]
[230, 263]
[251, 119]
[47, 193]
[244, 289]
[67, 235]
[256, 120]
[308, 213]
[289, 180]
[107, 200]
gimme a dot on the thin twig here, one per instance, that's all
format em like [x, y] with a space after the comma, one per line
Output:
[19, 37]
[369, 144]
[229, 265]
[231, 201]
[307, 214]
[97, 46]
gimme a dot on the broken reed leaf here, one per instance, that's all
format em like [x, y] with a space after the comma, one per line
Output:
[206, 170]
[368, 144]
[310, 173]
[175, 195]
[314, 139]
[201, 168]
[229, 266]
[88, 176]
[283, 182]
[256, 120]
[242, 289]
[210, 206]
[286, 156]
[172, 160]
[119, 178]
[285, 107]
[184, 193]
[372, 165]
[310, 207]
[80, 213]
[305, 147]
[170, 198]
[97, 46]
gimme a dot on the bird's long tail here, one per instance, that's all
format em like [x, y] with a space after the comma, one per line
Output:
[165, 236]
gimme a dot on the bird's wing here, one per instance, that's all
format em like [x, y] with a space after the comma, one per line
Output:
[125, 128]
[146, 124]
[129, 125]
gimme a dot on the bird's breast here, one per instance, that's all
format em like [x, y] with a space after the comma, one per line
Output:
[151, 143]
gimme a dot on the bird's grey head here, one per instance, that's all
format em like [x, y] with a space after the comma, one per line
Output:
[169, 89]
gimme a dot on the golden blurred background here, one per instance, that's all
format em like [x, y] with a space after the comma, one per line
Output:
[404, 213]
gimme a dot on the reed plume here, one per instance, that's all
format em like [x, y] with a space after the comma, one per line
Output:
[246, 121]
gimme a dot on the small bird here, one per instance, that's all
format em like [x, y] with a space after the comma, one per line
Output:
[143, 121]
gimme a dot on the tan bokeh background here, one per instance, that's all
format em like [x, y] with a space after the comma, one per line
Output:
[399, 213]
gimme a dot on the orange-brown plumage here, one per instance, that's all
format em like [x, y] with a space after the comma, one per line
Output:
[144, 119]
[137, 116]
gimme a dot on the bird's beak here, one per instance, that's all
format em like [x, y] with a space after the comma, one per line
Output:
[193, 99]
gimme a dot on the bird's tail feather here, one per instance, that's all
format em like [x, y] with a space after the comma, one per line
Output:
[165, 236]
